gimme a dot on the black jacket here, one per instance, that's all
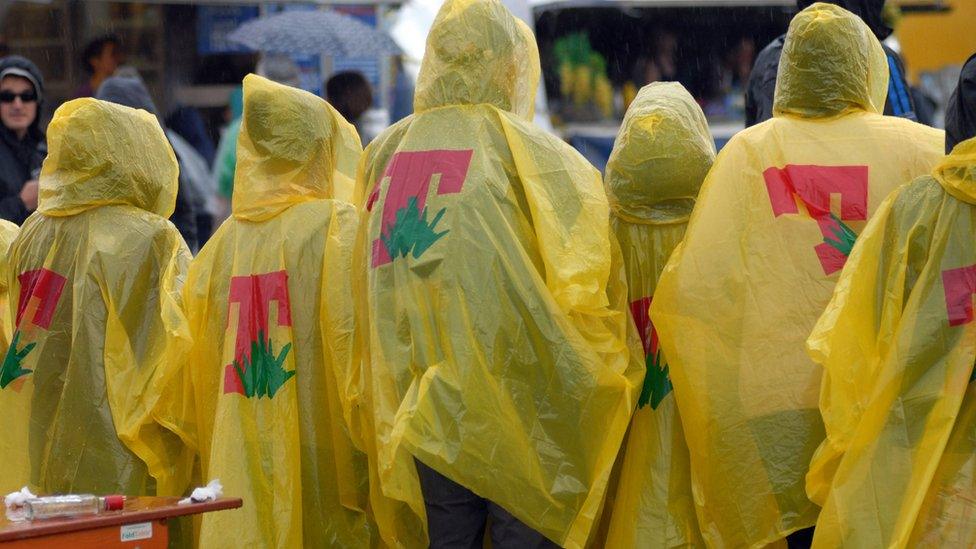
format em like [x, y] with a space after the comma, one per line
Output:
[960, 117]
[131, 92]
[762, 79]
[20, 160]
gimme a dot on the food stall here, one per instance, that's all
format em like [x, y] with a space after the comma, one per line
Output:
[596, 54]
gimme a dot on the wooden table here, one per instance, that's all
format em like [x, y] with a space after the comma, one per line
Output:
[142, 523]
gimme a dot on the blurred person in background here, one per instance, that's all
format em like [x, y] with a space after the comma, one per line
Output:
[926, 106]
[738, 62]
[762, 81]
[225, 158]
[403, 89]
[661, 64]
[129, 91]
[350, 93]
[277, 68]
[960, 116]
[100, 59]
[187, 122]
[735, 67]
[195, 170]
[22, 145]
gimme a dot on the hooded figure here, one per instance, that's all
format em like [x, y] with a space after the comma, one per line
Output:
[960, 117]
[897, 344]
[89, 385]
[774, 223]
[499, 355]
[131, 92]
[762, 79]
[20, 158]
[270, 309]
[659, 161]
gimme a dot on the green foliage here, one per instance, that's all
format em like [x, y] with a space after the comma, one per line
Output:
[411, 231]
[574, 49]
[261, 373]
[844, 235]
[11, 369]
[657, 383]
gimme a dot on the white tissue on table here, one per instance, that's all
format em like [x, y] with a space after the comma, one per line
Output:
[210, 492]
[18, 499]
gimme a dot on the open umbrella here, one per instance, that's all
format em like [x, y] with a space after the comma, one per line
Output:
[321, 32]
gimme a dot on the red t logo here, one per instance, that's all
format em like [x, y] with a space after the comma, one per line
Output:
[959, 285]
[40, 290]
[253, 294]
[405, 227]
[814, 185]
[640, 310]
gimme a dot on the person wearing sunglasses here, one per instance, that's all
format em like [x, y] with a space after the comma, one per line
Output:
[22, 144]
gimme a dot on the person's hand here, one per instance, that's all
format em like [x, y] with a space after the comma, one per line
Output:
[28, 195]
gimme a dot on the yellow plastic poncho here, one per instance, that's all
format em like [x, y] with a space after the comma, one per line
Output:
[772, 228]
[897, 343]
[498, 331]
[89, 384]
[658, 163]
[270, 309]
[8, 232]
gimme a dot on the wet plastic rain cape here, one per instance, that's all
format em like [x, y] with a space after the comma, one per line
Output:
[498, 331]
[774, 223]
[8, 232]
[658, 163]
[898, 342]
[270, 308]
[89, 385]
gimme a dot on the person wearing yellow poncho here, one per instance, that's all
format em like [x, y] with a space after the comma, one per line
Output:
[897, 343]
[658, 162]
[774, 223]
[498, 353]
[8, 232]
[89, 387]
[270, 309]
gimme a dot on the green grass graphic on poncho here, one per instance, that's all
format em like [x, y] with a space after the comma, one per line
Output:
[261, 373]
[11, 369]
[657, 384]
[845, 236]
[412, 231]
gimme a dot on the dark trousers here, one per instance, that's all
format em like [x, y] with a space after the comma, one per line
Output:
[204, 228]
[801, 539]
[457, 517]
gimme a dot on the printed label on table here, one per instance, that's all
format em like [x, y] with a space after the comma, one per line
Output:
[133, 532]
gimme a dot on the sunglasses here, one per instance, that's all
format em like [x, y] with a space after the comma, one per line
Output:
[9, 97]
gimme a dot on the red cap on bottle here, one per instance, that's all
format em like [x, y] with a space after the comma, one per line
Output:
[114, 503]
